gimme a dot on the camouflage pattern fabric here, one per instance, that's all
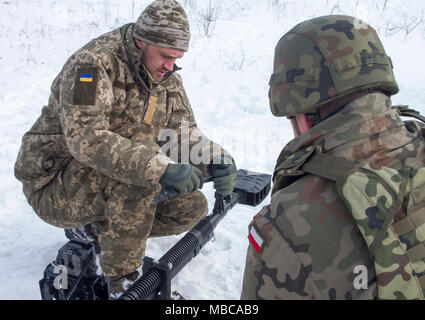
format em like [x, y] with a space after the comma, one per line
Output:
[94, 154]
[393, 233]
[164, 23]
[311, 243]
[122, 215]
[325, 58]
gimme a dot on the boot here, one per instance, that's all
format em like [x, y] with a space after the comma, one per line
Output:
[120, 284]
[87, 232]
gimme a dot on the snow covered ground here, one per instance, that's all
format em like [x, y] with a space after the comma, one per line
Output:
[225, 74]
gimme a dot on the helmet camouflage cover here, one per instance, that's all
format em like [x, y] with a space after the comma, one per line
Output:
[326, 58]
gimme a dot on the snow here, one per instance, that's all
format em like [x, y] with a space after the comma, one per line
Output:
[225, 74]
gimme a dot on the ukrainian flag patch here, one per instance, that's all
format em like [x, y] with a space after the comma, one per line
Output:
[86, 77]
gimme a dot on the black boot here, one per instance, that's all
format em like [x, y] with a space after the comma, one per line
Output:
[86, 232]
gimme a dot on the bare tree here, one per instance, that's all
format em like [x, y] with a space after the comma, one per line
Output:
[407, 25]
[208, 17]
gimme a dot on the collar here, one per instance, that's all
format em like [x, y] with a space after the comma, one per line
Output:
[134, 57]
[150, 80]
[366, 117]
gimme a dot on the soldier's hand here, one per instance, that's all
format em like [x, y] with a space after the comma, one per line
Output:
[184, 178]
[223, 172]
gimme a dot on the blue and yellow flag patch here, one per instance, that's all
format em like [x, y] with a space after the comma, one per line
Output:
[86, 77]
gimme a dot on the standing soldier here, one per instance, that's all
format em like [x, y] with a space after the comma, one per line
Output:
[333, 80]
[93, 160]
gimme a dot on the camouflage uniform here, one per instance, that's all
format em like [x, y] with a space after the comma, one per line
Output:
[93, 156]
[308, 244]
[312, 243]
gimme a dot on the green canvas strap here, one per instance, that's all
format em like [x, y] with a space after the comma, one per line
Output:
[405, 111]
[410, 222]
[123, 30]
[402, 227]
[398, 203]
[421, 280]
[416, 253]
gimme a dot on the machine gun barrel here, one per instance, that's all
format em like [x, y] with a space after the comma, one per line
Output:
[251, 189]
[78, 256]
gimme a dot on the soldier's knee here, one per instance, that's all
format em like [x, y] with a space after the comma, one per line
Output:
[200, 203]
[52, 208]
[73, 199]
[178, 214]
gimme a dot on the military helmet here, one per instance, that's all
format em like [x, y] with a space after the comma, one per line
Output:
[326, 58]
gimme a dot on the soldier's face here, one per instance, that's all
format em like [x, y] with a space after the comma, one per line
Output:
[158, 60]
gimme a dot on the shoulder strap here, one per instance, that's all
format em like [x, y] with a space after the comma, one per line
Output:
[311, 160]
[328, 166]
[123, 30]
[405, 111]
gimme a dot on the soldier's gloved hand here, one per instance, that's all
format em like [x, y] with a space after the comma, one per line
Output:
[184, 178]
[223, 172]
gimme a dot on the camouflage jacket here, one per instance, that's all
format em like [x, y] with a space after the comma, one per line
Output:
[106, 113]
[309, 245]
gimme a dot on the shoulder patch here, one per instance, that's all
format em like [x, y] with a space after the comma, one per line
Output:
[85, 86]
[151, 110]
[256, 239]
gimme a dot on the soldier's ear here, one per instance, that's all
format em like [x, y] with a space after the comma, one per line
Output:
[139, 44]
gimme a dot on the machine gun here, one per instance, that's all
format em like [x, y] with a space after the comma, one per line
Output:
[155, 283]
[73, 275]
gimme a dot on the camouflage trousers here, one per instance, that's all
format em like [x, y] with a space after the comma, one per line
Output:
[122, 214]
